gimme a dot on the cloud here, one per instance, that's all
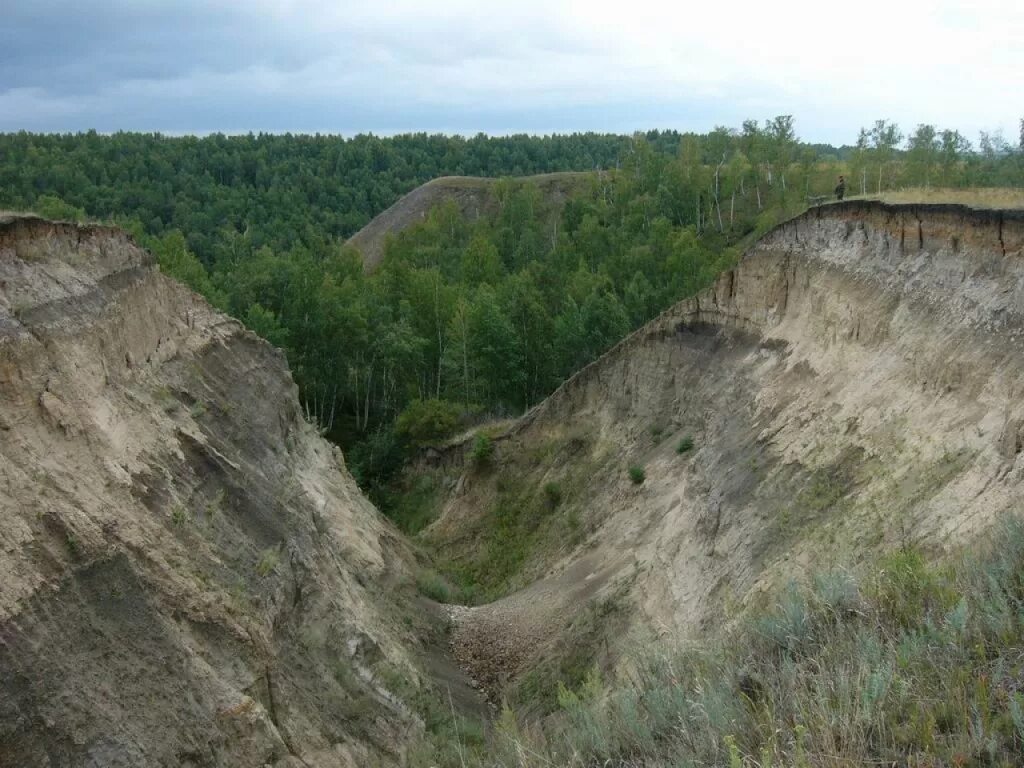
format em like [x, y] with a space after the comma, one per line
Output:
[190, 66]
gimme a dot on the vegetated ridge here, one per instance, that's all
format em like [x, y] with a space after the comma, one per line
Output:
[851, 386]
[473, 196]
[189, 574]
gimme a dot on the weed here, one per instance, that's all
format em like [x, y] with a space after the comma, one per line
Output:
[415, 507]
[268, 562]
[637, 474]
[433, 585]
[168, 402]
[215, 505]
[198, 409]
[178, 514]
[553, 494]
[685, 445]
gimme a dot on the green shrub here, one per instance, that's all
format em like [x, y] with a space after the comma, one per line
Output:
[414, 505]
[482, 450]
[553, 494]
[269, 559]
[425, 422]
[52, 207]
[685, 445]
[432, 585]
[637, 474]
[178, 514]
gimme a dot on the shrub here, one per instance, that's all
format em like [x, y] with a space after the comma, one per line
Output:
[269, 558]
[482, 450]
[178, 515]
[432, 585]
[553, 493]
[52, 207]
[685, 445]
[637, 475]
[424, 422]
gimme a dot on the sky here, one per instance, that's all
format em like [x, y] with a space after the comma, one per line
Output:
[533, 66]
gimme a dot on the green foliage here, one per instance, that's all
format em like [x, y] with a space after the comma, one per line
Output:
[52, 207]
[266, 324]
[178, 514]
[268, 561]
[175, 259]
[413, 507]
[482, 451]
[916, 664]
[491, 313]
[637, 474]
[436, 587]
[425, 422]
[553, 493]
[685, 445]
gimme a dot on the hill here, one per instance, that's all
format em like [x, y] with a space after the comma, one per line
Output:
[849, 388]
[472, 196]
[189, 574]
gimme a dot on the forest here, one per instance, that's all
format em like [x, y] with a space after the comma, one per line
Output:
[464, 320]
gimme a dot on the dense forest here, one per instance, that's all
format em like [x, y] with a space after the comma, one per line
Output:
[464, 319]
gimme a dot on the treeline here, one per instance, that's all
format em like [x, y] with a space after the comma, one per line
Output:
[885, 158]
[470, 319]
[234, 194]
[462, 318]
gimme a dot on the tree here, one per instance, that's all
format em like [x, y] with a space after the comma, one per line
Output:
[885, 137]
[922, 154]
[782, 140]
[424, 422]
[480, 262]
[952, 147]
[52, 207]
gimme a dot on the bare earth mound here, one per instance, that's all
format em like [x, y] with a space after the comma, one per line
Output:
[188, 574]
[854, 384]
[474, 196]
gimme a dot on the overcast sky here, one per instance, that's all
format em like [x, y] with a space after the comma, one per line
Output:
[538, 66]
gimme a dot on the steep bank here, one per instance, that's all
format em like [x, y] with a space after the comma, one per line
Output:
[189, 574]
[852, 385]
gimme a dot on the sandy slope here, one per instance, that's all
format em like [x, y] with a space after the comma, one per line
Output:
[188, 574]
[854, 384]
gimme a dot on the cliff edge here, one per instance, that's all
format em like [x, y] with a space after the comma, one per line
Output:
[189, 575]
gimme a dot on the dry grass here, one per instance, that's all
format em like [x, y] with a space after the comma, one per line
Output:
[975, 197]
[913, 664]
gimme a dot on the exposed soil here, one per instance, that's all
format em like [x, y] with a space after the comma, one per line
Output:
[851, 386]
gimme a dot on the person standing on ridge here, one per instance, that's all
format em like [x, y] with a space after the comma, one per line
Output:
[840, 188]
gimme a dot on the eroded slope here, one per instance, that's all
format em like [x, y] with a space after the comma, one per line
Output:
[188, 574]
[854, 384]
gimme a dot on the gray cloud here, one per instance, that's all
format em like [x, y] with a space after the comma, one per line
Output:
[461, 66]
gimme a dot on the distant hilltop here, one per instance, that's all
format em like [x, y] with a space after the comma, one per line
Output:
[474, 196]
